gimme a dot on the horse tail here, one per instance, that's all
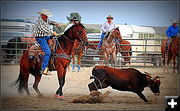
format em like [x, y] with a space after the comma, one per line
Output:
[19, 83]
[130, 51]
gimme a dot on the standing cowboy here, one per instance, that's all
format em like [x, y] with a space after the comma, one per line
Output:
[171, 32]
[106, 27]
[42, 33]
[73, 18]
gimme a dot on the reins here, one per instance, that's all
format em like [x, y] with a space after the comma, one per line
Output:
[69, 58]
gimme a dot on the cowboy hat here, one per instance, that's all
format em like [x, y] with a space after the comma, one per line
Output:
[45, 12]
[74, 16]
[175, 22]
[109, 17]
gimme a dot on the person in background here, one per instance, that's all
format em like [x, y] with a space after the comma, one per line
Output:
[171, 32]
[73, 18]
[106, 27]
[42, 32]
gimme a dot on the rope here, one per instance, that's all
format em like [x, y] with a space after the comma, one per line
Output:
[96, 84]
[86, 88]
[63, 51]
[75, 87]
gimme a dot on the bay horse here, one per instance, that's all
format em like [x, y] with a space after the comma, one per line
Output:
[109, 45]
[19, 43]
[62, 60]
[124, 47]
[77, 51]
[172, 53]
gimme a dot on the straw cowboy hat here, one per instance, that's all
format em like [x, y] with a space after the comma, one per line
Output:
[45, 12]
[175, 22]
[109, 17]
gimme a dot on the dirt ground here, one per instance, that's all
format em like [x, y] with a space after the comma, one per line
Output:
[75, 86]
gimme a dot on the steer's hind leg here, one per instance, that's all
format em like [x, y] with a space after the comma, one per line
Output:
[141, 95]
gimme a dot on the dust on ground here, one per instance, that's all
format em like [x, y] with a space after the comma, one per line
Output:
[75, 86]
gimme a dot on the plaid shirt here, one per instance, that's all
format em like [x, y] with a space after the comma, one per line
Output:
[41, 28]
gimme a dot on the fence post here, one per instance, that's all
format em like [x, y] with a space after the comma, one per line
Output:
[16, 52]
[145, 52]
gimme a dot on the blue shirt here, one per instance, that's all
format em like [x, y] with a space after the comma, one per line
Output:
[172, 31]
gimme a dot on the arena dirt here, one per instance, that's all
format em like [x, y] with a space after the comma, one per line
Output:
[75, 86]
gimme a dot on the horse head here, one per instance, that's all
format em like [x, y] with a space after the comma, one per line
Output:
[115, 33]
[79, 33]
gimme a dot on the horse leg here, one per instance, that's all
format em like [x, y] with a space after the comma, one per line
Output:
[36, 82]
[114, 59]
[174, 63]
[26, 77]
[178, 65]
[107, 59]
[73, 65]
[168, 61]
[61, 79]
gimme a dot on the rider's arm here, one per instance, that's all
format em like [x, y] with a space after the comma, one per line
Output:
[168, 32]
[50, 22]
[103, 27]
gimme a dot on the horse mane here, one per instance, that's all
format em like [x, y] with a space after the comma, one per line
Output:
[111, 31]
[62, 38]
[107, 35]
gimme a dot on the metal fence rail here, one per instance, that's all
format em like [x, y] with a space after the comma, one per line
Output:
[140, 58]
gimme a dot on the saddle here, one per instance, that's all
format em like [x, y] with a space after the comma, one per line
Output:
[36, 51]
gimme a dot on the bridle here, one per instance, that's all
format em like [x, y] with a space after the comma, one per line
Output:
[78, 34]
[64, 55]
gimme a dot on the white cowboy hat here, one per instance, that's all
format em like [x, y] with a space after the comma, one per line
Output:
[45, 12]
[175, 22]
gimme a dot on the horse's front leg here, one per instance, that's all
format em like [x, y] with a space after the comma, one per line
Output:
[114, 58]
[73, 65]
[61, 79]
[106, 62]
[174, 63]
[79, 61]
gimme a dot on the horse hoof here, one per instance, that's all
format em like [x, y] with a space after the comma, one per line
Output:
[59, 97]
[40, 95]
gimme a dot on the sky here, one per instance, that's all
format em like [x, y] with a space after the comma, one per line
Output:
[147, 13]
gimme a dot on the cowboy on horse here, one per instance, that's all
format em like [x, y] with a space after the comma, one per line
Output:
[42, 33]
[106, 28]
[171, 32]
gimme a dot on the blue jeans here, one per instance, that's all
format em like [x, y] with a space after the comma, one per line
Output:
[102, 36]
[43, 41]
